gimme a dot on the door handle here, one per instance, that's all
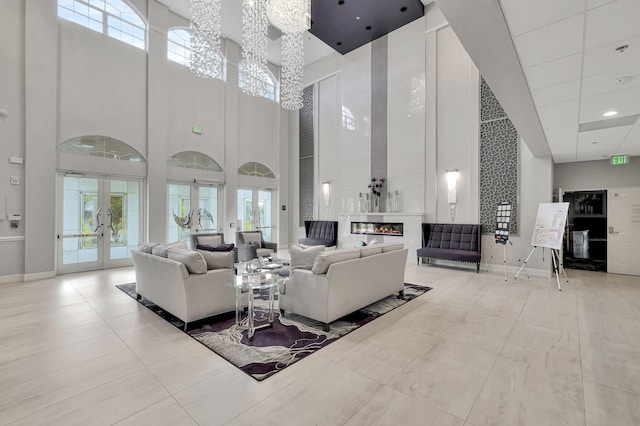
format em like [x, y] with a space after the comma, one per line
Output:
[612, 232]
[98, 220]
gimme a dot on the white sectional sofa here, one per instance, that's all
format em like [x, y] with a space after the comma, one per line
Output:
[191, 285]
[343, 281]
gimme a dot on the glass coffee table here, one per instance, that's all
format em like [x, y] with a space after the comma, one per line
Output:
[249, 283]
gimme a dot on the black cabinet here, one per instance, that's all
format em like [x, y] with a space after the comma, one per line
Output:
[586, 236]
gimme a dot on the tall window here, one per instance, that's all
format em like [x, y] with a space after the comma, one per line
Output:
[179, 46]
[271, 92]
[112, 17]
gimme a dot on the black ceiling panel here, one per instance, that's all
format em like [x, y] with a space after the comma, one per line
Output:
[336, 21]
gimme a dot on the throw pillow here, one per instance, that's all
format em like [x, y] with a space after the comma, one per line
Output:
[303, 258]
[328, 258]
[256, 244]
[193, 260]
[250, 237]
[221, 247]
[217, 259]
[146, 247]
[161, 249]
[209, 240]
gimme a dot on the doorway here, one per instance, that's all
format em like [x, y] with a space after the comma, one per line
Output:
[586, 236]
[185, 217]
[99, 222]
[623, 230]
[255, 211]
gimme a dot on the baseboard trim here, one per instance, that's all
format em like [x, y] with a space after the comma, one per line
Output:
[5, 279]
[40, 276]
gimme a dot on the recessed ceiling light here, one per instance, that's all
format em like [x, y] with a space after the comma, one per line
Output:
[610, 113]
[357, 18]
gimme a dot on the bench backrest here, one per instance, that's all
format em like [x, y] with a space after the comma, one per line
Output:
[451, 236]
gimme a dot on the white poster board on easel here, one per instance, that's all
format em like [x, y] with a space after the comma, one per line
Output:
[549, 228]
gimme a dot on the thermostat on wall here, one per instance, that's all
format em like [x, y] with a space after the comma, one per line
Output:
[13, 216]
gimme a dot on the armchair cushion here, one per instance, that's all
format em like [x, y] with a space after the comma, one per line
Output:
[210, 240]
[221, 247]
[327, 258]
[303, 258]
[217, 259]
[161, 249]
[193, 260]
[146, 247]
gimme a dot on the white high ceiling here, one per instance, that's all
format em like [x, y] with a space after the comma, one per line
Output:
[567, 52]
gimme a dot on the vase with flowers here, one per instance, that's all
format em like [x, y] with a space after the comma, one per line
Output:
[376, 186]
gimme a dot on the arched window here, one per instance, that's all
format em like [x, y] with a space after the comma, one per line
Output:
[271, 93]
[256, 169]
[179, 48]
[100, 146]
[116, 18]
[194, 160]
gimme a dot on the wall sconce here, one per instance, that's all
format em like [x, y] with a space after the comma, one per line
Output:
[452, 178]
[326, 193]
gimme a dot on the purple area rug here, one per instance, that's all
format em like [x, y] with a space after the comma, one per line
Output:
[290, 339]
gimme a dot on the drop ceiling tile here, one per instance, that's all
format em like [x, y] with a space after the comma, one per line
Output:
[555, 72]
[550, 42]
[631, 144]
[524, 16]
[605, 58]
[558, 93]
[561, 111]
[626, 102]
[600, 143]
[608, 82]
[616, 21]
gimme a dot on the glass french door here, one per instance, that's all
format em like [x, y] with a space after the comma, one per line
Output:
[100, 222]
[255, 211]
[183, 218]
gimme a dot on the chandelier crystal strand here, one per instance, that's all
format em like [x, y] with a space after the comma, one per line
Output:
[206, 56]
[254, 47]
[291, 86]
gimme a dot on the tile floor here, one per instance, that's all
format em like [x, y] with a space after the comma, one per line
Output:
[474, 351]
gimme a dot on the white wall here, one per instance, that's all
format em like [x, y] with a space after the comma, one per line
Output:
[61, 80]
[596, 175]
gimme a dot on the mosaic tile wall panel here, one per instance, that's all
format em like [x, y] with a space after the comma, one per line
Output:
[498, 161]
[306, 156]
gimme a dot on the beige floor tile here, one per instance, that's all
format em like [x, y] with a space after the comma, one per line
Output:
[498, 302]
[609, 363]
[611, 327]
[164, 413]
[328, 396]
[609, 406]
[390, 407]
[484, 332]
[28, 397]
[434, 318]
[551, 348]
[104, 404]
[517, 393]
[446, 374]
[551, 308]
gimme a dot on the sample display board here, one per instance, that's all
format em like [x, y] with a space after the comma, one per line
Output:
[550, 223]
[503, 222]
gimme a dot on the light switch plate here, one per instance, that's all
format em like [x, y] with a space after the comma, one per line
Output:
[15, 180]
[16, 160]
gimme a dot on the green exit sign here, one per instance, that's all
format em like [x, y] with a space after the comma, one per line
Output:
[619, 159]
[197, 130]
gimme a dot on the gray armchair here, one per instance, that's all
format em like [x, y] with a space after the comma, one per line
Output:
[210, 239]
[251, 245]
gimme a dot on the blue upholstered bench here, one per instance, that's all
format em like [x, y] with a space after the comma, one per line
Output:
[457, 242]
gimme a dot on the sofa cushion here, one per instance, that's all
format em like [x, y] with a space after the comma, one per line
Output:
[221, 247]
[328, 258]
[252, 237]
[193, 260]
[264, 252]
[370, 250]
[209, 240]
[303, 257]
[387, 247]
[161, 249]
[217, 259]
[146, 247]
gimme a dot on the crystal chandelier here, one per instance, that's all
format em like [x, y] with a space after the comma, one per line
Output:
[293, 18]
[254, 47]
[206, 56]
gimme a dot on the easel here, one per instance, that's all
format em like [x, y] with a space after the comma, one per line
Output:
[504, 256]
[557, 266]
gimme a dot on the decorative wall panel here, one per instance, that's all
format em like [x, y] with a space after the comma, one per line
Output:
[499, 141]
[306, 156]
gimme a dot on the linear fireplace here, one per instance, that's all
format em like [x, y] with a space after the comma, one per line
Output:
[377, 228]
